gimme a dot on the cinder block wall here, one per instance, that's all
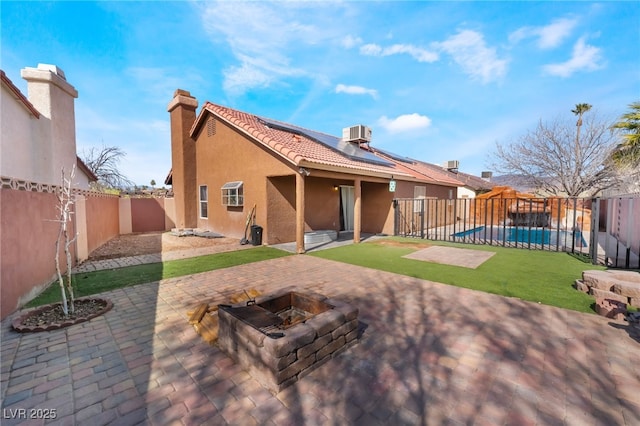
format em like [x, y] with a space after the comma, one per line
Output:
[29, 229]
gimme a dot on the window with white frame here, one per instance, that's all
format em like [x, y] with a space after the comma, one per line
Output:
[419, 193]
[204, 199]
[232, 194]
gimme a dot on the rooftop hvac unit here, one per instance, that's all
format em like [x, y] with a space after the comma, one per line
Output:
[452, 164]
[358, 133]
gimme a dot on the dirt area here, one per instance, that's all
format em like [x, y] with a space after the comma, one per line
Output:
[155, 242]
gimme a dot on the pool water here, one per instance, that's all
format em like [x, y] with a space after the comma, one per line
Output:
[511, 234]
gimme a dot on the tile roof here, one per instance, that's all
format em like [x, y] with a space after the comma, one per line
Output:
[296, 148]
[464, 179]
[301, 150]
[420, 169]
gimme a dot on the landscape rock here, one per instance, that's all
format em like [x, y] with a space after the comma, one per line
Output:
[611, 308]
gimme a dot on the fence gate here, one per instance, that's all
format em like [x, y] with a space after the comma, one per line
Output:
[615, 235]
[574, 225]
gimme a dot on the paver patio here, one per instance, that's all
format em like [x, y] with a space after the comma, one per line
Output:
[429, 354]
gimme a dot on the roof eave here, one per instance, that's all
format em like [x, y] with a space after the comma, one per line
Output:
[86, 170]
[19, 95]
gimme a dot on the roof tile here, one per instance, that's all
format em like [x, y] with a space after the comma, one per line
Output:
[299, 148]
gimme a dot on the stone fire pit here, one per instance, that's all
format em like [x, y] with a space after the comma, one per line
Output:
[280, 337]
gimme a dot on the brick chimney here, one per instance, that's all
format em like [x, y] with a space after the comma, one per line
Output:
[182, 110]
[51, 94]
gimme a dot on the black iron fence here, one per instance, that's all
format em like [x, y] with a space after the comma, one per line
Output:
[586, 227]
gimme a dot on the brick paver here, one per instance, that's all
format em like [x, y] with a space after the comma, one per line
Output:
[428, 354]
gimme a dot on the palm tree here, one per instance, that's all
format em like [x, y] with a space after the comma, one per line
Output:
[580, 109]
[628, 152]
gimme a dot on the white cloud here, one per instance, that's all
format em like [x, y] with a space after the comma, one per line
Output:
[404, 123]
[238, 79]
[264, 38]
[371, 50]
[350, 41]
[584, 58]
[469, 50]
[549, 36]
[417, 53]
[356, 90]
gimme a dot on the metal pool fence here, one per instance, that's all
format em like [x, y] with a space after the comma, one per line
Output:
[605, 231]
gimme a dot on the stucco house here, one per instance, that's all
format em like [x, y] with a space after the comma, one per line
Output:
[38, 130]
[225, 162]
[37, 140]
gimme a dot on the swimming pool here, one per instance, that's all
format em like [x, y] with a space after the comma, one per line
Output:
[514, 235]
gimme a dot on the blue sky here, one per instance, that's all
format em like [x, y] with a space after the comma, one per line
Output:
[436, 81]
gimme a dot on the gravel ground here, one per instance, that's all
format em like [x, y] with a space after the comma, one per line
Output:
[150, 243]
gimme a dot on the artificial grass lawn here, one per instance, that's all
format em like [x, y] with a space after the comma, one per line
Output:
[88, 283]
[533, 275]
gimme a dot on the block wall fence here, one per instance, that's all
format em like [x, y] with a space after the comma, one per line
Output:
[29, 229]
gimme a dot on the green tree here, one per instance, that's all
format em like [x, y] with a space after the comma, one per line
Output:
[627, 154]
[153, 183]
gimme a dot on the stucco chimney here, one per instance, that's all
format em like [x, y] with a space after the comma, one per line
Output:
[51, 94]
[182, 109]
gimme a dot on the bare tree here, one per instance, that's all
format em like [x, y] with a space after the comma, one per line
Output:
[66, 200]
[103, 162]
[558, 160]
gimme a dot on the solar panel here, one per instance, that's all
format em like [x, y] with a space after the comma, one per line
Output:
[348, 149]
[395, 156]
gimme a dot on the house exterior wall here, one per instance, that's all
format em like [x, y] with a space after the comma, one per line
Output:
[465, 193]
[281, 210]
[21, 133]
[377, 208]
[169, 213]
[227, 156]
[322, 203]
[405, 189]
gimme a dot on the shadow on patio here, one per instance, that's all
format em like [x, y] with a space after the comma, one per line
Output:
[429, 354]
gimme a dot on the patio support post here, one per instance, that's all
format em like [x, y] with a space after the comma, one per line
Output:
[357, 210]
[299, 213]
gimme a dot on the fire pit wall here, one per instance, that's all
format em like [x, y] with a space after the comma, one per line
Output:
[279, 362]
